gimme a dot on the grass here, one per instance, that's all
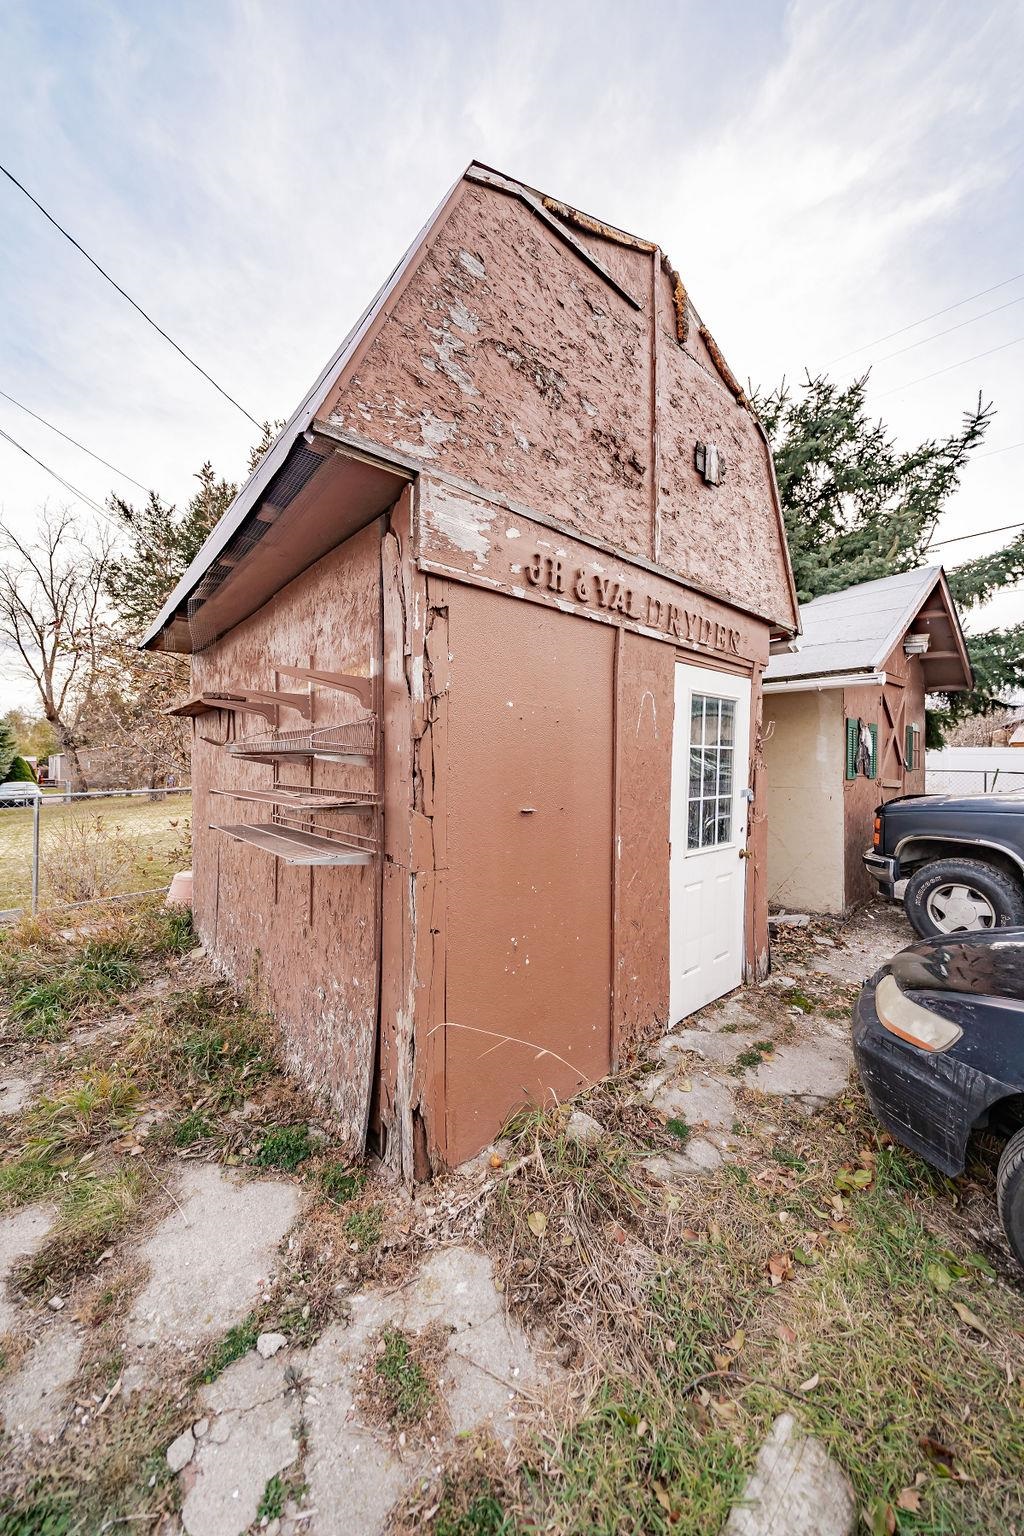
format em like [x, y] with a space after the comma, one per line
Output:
[664, 1303]
[402, 1379]
[158, 832]
[365, 1226]
[94, 1208]
[285, 1147]
[679, 1129]
[341, 1183]
[271, 1505]
[191, 1128]
[238, 1341]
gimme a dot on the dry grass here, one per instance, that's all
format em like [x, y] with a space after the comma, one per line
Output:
[399, 1382]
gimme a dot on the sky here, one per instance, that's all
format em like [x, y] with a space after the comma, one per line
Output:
[822, 175]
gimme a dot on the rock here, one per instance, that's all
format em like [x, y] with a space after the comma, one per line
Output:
[200, 1427]
[268, 1344]
[181, 1451]
[15, 1094]
[789, 920]
[819, 938]
[56, 1303]
[583, 1128]
[207, 1259]
[777, 980]
[795, 1489]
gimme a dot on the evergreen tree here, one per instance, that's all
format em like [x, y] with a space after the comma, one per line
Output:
[20, 772]
[8, 748]
[163, 542]
[857, 507]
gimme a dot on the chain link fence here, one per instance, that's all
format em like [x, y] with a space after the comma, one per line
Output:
[972, 781]
[62, 850]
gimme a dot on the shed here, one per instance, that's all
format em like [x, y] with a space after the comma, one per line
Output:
[844, 727]
[477, 659]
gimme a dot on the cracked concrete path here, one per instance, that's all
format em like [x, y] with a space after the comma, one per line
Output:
[33, 1399]
[258, 1412]
[208, 1256]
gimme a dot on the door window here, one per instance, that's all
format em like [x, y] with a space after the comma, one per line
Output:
[712, 753]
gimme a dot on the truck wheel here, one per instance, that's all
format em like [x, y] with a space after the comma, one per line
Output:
[1010, 1193]
[962, 895]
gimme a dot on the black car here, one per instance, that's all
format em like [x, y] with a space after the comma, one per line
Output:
[938, 1037]
[955, 861]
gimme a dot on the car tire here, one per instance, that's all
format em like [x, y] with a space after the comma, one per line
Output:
[1010, 1193]
[996, 898]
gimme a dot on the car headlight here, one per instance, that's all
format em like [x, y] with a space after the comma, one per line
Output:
[900, 1015]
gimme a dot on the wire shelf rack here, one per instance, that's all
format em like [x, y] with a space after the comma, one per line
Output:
[297, 845]
[300, 799]
[355, 742]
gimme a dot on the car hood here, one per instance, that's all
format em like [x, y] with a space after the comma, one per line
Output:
[989, 964]
[961, 805]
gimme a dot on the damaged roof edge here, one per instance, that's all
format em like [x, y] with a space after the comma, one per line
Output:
[252, 492]
[298, 423]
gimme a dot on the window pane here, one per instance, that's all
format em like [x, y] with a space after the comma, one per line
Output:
[708, 818]
[728, 728]
[724, 820]
[693, 825]
[710, 775]
[695, 772]
[725, 772]
[696, 719]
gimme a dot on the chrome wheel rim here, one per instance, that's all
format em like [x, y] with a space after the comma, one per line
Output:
[959, 908]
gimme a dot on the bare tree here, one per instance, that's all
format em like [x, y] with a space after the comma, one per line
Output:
[52, 615]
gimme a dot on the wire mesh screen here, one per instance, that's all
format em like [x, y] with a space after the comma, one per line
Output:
[62, 850]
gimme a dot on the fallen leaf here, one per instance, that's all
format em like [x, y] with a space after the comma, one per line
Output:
[617, 1235]
[939, 1454]
[909, 1500]
[537, 1222]
[721, 1362]
[803, 1257]
[939, 1276]
[661, 1494]
[684, 1085]
[786, 1333]
[737, 1341]
[780, 1268]
[882, 1518]
[496, 1161]
[690, 1235]
[970, 1318]
[714, 1232]
[810, 1384]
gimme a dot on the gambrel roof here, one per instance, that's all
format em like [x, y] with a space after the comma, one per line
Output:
[365, 428]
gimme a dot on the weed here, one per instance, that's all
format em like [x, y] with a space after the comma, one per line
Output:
[341, 1184]
[789, 1159]
[797, 998]
[178, 930]
[27, 1178]
[93, 1209]
[44, 1514]
[238, 1341]
[271, 1505]
[749, 1058]
[679, 1129]
[365, 1226]
[285, 1147]
[191, 1128]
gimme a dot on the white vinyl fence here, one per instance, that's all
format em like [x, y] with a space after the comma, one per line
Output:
[974, 770]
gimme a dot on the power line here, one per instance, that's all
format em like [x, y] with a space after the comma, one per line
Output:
[138, 307]
[959, 538]
[105, 462]
[948, 332]
[73, 489]
[961, 364]
[993, 451]
[924, 321]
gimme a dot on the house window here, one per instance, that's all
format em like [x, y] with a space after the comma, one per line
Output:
[712, 753]
[854, 757]
[911, 747]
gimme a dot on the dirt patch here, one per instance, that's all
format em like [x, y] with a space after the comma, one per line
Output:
[399, 1388]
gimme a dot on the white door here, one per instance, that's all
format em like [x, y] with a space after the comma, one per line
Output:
[708, 831]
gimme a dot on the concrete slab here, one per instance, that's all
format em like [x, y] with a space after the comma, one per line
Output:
[21, 1234]
[255, 1411]
[33, 1400]
[15, 1093]
[675, 1167]
[796, 1489]
[720, 1049]
[708, 1101]
[810, 1072]
[207, 1260]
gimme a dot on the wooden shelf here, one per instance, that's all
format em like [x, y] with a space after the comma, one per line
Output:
[298, 799]
[292, 846]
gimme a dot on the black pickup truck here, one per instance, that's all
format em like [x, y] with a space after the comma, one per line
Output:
[955, 861]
